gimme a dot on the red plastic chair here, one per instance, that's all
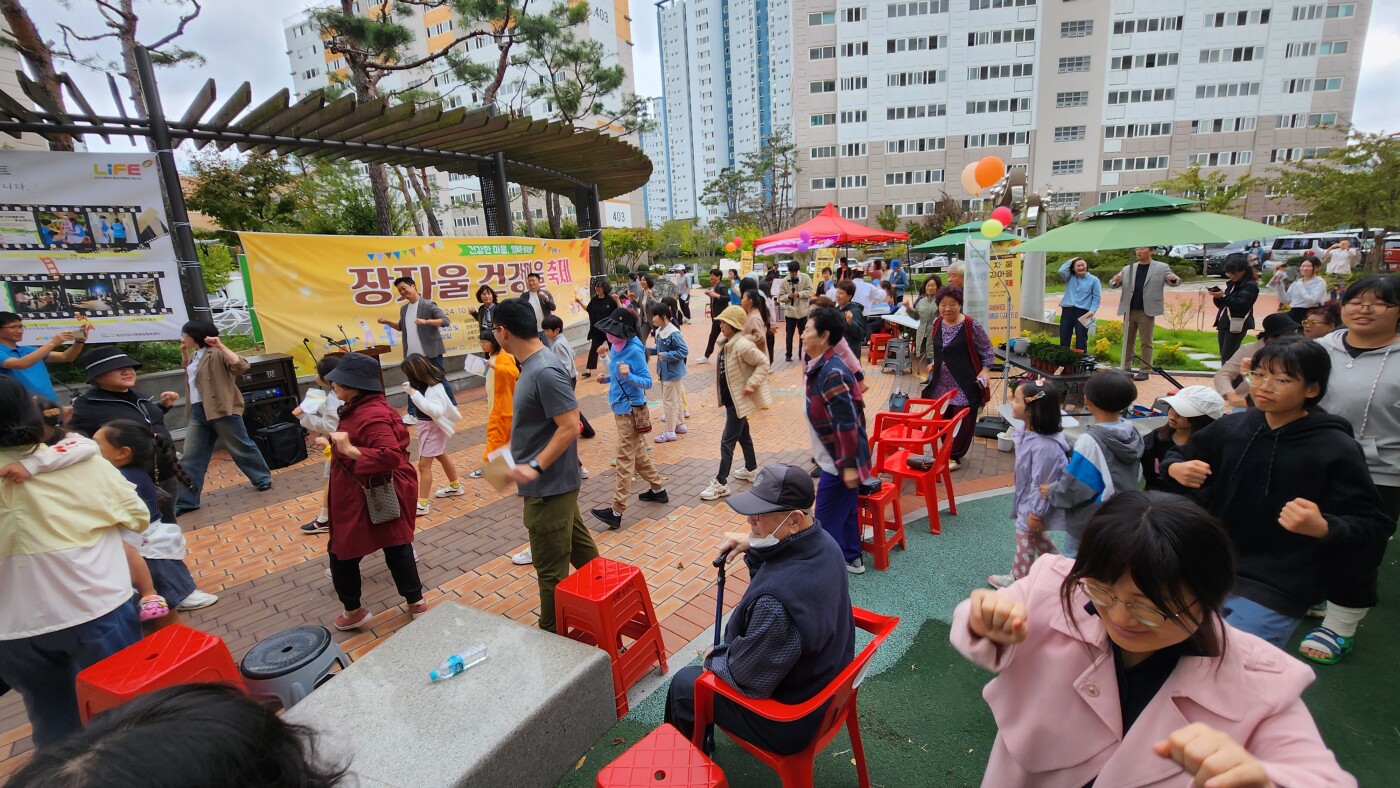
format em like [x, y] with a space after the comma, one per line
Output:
[892, 424]
[171, 656]
[877, 347]
[883, 516]
[662, 759]
[933, 438]
[796, 770]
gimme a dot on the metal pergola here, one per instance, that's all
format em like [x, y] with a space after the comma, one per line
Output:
[586, 165]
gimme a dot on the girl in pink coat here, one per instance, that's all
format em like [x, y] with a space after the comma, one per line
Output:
[1116, 668]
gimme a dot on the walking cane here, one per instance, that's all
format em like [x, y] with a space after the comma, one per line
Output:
[718, 563]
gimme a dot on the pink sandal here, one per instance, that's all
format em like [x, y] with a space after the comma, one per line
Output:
[154, 606]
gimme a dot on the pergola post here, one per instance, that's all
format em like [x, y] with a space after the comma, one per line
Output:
[495, 198]
[181, 235]
[589, 210]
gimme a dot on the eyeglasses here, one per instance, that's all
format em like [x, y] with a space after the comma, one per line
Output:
[1316, 323]
[1368, 306]
[1104, 598]
[1272, 381]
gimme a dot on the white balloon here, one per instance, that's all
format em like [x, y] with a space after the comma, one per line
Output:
[969, 178]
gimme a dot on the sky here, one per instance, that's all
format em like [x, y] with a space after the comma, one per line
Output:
[242, 41]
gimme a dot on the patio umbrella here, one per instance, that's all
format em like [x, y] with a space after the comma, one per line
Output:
[956, 239]
[1145, 219]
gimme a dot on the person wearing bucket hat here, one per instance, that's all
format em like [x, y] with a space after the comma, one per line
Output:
[741, 383]
[113, 396]
[629, 379]
[369, 448]
[1191, 409]
[792, 632]
[1230, 380]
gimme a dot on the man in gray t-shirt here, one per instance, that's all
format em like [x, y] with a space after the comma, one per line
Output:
[544, 445]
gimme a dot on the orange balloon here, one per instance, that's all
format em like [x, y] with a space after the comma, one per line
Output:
[989, 171]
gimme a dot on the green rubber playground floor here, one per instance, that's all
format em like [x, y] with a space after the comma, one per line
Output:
[922, 717]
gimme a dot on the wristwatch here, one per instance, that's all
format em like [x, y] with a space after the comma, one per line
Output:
[536, 465]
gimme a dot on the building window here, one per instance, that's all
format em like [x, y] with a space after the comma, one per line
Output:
[985, 37]
[1078, 28]
[1063, 201]
[854, 181]
[1132, 130]
[1067, 167]
[1259, 16]
[906, 78]
[858, 49]
[1303, 13]
[853, 212]
[1330, 83]
[826, 119]
[1227, 90]
[821, 53]
[1074, 98]
[1074, 65]
[1135, 163]
[1300, 85]
[896, 10]
[819, 184]
[822, 86]
[439, 28]
[853, 149]
[1343, 11]
[996, 140]
[916, 44]
[1313, 120]
[1224, 125]
[1069, 133]
[982, 5]
[998, 105]
[916, 111]
[1233, 55]
[1142, 96]
[854, 116]
[1221, 159]
[855, 83]
[853, 14]
[1003, 71]
[824, 152]
[822, 18]
[1296, 154]
[916, 145]
[1146, 25]
[1155, 60]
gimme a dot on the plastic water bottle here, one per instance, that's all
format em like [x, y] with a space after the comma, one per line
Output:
[458, 663]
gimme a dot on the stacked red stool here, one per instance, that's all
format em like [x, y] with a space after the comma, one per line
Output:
[171, 656]
[601, 604]
[882, 514]
[878, 342]
[662, 758]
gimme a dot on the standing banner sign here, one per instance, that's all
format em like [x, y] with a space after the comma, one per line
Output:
[320, 288]
[1004, 294]
[84, 242]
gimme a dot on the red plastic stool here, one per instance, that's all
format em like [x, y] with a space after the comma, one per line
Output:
[662, 758]
[601, 604]
[884, 516]
[171, 656]
[877, 347]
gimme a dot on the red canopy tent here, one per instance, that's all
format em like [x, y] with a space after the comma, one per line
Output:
[829, 225]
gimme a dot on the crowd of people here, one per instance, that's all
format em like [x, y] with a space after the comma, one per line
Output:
[1252, 520]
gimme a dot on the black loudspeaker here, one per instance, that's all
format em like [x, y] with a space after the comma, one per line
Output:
[281, 444]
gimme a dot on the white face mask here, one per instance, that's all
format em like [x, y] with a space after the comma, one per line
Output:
[769, 540]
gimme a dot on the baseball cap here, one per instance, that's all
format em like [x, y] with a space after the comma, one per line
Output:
[1195, 401]
[778, 488]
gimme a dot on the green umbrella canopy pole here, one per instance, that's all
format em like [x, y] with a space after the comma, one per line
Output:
[1150, 228]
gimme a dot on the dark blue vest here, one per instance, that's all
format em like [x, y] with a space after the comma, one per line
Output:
[807, 573]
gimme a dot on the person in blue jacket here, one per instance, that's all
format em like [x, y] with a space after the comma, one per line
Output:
[628, 382]
[1083, 291]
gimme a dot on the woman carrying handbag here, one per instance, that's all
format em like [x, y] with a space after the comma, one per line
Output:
[1236, 305]
[628, 382]
[962, 355]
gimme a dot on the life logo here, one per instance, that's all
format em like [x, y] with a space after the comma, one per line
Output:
[112, 170]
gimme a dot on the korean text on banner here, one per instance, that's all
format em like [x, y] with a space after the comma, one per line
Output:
[1004, 293]
[317, 286]
[84, 242]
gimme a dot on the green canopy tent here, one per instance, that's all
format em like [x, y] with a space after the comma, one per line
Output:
[958, 235]
[1146, 219]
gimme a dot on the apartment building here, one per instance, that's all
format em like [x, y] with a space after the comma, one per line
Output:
[890, 100]
[313, 67]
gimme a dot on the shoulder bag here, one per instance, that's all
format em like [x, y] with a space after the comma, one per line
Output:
[381, 500]
[640, 415]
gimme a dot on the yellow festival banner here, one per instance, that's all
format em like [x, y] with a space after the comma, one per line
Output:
[336, 287]
[1004, 296]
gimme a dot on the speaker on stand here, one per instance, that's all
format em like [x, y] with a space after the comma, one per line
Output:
[270, 394]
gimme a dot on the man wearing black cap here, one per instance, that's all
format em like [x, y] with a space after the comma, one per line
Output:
[1230, 379]
[113, 396]
[792, 632]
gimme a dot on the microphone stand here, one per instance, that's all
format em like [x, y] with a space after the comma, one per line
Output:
[306, 343]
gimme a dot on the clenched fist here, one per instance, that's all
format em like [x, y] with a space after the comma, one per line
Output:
[1213, 759]
[996, 617]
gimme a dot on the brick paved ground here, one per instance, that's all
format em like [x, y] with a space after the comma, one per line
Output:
[245, 546]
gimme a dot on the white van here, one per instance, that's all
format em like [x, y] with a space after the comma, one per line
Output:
[1289, 249]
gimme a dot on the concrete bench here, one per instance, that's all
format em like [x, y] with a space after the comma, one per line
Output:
[522, 718]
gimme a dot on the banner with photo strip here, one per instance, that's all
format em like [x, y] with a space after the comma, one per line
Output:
[331, 290]
[84, 242]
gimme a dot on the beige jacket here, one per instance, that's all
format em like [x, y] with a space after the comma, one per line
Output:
[744, 365]
[218, 385]
[755, 330]
[800, 307]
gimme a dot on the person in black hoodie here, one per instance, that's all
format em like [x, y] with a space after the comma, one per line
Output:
[113, 396]
[1290, 484]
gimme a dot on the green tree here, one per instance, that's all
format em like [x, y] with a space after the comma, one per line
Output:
[1352, 185]
[887, 219]
[254, 193]
[334, 202]
[676, 238]
[1217, 192]
[218, 263]
[727, 193]
[772, 171]
[626, 245]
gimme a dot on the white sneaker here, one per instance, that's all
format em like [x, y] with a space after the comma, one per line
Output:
[196, 600]
[953, 465]
[583, 471]
[715, 490]
[329, 576]
[745, 475]
[450, 491]
[704, 360]
[410, 419]
[523, 558]
[423, 507]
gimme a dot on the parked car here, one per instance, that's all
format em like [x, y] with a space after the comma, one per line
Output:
[930, 264]
[1392, 254]
[1217, 255]
[1185, 250]
[1289, 249]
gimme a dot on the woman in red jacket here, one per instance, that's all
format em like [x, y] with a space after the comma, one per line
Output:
[371, 449]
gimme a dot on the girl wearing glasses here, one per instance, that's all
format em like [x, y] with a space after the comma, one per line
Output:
[1115, 668]
[1291, 485]
[1362, 392]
